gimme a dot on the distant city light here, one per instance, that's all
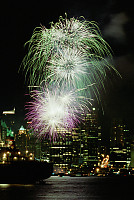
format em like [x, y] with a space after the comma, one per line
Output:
[10, 112]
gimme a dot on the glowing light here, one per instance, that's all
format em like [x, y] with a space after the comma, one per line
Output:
[4, 156]
[97, 170]
[9, 112]
[51, 110]
[4, 186]
[15, 158]
[105, 162]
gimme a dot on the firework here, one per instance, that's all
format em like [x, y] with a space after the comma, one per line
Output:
[39, 51]
[50, 110]
[68, 48]
[68, 67]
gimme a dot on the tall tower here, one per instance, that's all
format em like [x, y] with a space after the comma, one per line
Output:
[22, 140]
[91, 137]
[61, 150]
[120, 147]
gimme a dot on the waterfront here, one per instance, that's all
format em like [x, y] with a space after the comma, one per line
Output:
[72, 188]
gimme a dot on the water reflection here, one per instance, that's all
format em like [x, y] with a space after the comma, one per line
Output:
[72, 188]
[4, 185]
[15, 185]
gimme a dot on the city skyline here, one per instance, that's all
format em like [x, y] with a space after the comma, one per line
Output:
[81, 148]
[115, 20]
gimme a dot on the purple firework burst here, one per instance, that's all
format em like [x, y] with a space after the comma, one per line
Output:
[52, 110]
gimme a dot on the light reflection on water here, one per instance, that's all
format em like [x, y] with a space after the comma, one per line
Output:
[71, 188]
[15, 185]
[4, 185]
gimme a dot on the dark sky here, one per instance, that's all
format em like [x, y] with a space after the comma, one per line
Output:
[116, 22]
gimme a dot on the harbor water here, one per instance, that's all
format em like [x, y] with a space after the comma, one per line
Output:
[71, 188]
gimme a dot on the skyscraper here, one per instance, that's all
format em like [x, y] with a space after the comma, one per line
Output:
[91, 138]
[61, 150]
[78, 148]
[120, 147]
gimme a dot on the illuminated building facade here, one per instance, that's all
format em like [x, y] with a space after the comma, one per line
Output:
[25, 143]
[132, 154]
[61, 150]
[8, 151]
[3, 130]
[6, 135]
[91, 139]
[21, 140]
[120, 147]
[80, 147]
[22, 130]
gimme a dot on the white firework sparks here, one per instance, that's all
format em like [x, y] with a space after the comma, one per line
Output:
[68, 66]
[72, 32]
[52, 110]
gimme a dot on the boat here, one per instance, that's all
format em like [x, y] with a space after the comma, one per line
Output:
[25, 172]
[17, 168]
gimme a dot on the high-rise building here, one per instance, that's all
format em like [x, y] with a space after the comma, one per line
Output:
[120, 146]
[132, 154]
[21, 140]
[61, 150]
[3, 130]
[80, 147]
[91, 139]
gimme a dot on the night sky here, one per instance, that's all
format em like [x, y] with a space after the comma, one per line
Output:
[116, 22]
